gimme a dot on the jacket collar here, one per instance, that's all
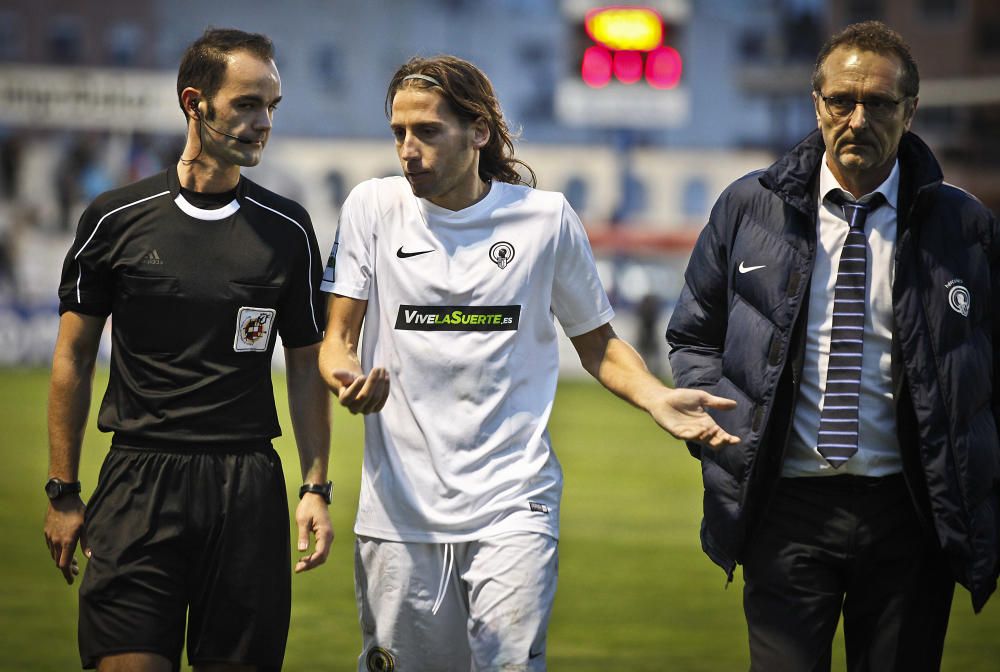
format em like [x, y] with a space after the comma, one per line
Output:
[793, 177]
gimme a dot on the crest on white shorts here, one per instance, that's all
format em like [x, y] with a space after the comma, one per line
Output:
[253, 329]
[379, 660]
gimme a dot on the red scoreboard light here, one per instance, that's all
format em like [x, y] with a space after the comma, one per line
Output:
[596, 67]
[623, 67]
[663, 67]
[628, 46]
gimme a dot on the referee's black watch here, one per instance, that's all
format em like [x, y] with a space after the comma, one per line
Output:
[325, 490]
[56, 488]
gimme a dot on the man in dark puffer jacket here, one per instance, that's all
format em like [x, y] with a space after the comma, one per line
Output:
[845, 298]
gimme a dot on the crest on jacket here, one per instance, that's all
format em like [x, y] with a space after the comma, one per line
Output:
[958, 297]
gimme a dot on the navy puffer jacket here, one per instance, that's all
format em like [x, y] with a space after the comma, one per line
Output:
[742, 336]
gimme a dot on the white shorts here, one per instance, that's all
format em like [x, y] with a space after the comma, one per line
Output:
[479, 605]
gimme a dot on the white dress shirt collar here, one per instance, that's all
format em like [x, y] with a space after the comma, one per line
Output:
[889, 188]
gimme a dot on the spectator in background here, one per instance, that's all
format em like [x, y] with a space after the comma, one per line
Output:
[648, 312]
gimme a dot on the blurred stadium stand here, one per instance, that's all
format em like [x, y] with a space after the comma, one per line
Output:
[87, 103]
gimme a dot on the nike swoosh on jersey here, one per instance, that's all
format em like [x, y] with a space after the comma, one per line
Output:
[407, 255]
[747, 269]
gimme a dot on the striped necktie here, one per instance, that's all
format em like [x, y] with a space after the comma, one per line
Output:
[838, 422]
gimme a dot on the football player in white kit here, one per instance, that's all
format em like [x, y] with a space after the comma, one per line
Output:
[458, 271]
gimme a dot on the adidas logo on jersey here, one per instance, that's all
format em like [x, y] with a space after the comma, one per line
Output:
[152, 258]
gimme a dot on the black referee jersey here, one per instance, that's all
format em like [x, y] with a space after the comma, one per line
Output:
[196, 299]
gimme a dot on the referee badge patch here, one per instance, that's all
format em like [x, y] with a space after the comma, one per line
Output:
[253, 329]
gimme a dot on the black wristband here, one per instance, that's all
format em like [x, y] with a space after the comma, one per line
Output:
[325, 490]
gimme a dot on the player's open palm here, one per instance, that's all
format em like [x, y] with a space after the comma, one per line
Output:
[682, 413]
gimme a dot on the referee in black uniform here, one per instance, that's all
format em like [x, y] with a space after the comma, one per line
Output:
[201, 269]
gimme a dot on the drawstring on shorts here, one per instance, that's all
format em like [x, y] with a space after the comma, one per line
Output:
[446, 567]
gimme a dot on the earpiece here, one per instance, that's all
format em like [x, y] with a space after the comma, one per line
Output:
[193, 105]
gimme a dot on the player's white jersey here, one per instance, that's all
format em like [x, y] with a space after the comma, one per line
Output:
[460, 312]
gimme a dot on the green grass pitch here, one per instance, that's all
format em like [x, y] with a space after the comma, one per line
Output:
[635, 592]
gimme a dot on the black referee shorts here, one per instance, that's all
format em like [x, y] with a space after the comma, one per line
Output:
[195, 534]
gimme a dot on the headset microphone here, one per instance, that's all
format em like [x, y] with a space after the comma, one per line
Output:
[238, 138]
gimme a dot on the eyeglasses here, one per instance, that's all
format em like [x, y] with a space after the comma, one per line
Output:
[844, 106]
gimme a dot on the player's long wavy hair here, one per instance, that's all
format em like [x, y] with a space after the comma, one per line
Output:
[470, 95]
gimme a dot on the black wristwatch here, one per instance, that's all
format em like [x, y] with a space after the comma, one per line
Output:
[325, 490]
[56, 488]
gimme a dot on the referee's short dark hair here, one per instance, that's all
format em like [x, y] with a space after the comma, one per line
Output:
[876, 37]
[204, 63]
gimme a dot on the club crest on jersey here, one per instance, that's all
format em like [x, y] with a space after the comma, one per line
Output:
[502, 253]
[959, 297]
[253, 329]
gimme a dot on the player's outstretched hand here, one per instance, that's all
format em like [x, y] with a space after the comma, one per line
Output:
[63, 527]
[313, 517]
[682, 413]
[365, 393]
